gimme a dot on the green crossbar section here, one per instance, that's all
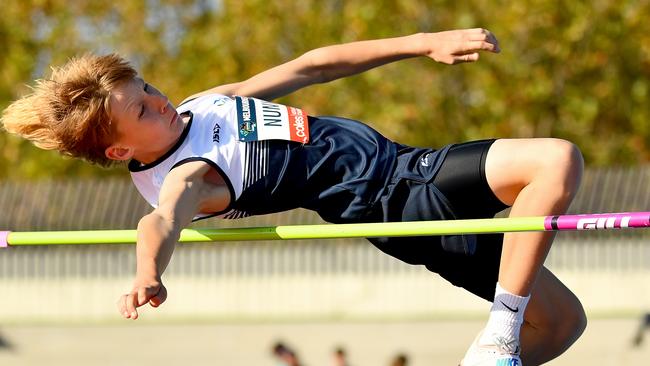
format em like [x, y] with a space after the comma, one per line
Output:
[290, 232]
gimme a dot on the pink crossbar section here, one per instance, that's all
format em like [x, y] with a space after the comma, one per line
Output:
[3, 239]
[598, 221]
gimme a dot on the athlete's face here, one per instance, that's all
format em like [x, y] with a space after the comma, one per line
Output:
[147, 124]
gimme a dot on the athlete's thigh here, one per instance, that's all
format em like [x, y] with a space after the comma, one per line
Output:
[462, 180]
[511, 164]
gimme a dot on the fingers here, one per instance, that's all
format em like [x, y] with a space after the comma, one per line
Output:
[121, 306]
[493, 39]
[127, 305]
[480, 31]
[470, 57]
[143, 295]
[480, 46]
[481, 39]
[463, 45]
[473, 39]
[131, 306]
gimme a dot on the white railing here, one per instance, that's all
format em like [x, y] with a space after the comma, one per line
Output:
[315, 279]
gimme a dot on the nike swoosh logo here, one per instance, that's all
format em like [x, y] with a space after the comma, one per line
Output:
[425, 160]
[515, 310]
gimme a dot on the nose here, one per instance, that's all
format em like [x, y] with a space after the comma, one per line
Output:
[161, 102]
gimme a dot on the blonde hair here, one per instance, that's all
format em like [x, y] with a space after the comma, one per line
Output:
[69, 112]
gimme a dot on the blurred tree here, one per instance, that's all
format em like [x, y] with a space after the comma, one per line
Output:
[572, 69]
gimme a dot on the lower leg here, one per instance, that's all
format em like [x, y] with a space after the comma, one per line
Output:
[534, 177]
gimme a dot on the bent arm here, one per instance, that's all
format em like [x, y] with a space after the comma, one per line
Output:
[181, 198]
[333, 62]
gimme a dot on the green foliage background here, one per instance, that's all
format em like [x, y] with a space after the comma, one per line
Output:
[578, 70]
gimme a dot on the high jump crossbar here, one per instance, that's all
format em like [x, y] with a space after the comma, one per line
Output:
[335, 231]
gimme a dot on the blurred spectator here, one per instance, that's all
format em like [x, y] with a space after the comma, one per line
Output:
[285, 355]
[3, 343]
[340, 357]
[645, 324]
[400, 360]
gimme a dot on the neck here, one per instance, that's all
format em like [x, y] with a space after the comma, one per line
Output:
[148, 157]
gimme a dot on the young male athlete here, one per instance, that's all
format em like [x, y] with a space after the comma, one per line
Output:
[224, 153]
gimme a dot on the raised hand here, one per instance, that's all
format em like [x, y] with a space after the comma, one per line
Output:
[458, 46]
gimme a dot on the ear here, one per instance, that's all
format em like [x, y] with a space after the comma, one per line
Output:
[115, 152]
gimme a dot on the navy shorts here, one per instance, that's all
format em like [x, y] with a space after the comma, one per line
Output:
[444, 184]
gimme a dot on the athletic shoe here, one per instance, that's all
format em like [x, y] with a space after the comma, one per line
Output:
[501, 352]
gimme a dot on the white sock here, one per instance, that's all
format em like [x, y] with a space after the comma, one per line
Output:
[506, 316]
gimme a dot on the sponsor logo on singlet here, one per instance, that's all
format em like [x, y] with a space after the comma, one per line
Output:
[215, 132]
[425, 160]
[219, 101]
[259, 120]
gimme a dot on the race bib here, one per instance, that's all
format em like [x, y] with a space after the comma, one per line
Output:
[261, 120]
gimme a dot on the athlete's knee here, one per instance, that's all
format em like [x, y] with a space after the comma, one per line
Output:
[580, 324]
[566, 156]
[555, 312]
[552, 334]
[563, 163]
[567, 325]
[570, 328]
[574, 323]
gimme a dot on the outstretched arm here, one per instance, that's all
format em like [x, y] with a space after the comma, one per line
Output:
[180, 200]
[333, 62]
